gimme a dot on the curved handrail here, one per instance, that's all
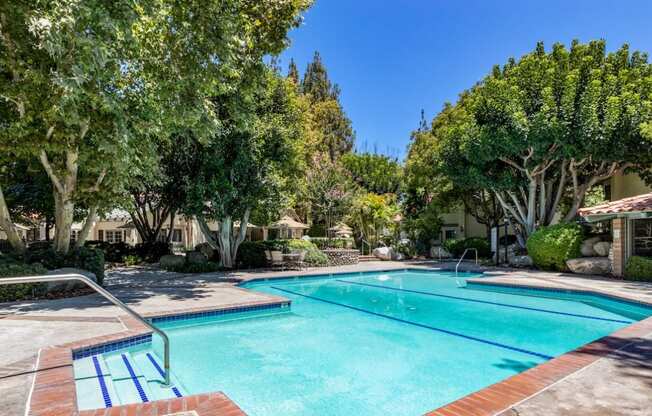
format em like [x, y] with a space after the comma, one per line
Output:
[460, 261]
[117, 302]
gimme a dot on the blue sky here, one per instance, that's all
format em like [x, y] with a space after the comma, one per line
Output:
[393, 58]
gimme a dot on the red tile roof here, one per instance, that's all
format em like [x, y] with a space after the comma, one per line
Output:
[638, 203]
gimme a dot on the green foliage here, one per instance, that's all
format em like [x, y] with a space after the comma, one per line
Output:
[372, 214]
[152, 252]
[639, 268]
[424, 227]
[406, 249]
[375, 173]
[251, 255]
[132, 260]
[457, 247]
[10, 267]
[324, 242]
[85, 258]
[113, 252]
[315, 258]
[551, 246]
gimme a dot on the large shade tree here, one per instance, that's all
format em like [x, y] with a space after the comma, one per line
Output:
[249, 167]
[78, 79]
[549, 125]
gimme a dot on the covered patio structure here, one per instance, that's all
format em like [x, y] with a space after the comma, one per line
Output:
[631, 227]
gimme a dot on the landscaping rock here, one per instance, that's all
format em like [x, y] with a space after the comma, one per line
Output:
[383, 253]
[590, 265]
[342, 257]
[206, 250]
[521, 261]
[171, 261]
[69, 285]
[196, 257]
[396, 256]
[439, 252]
[587, 246]
[602, 248]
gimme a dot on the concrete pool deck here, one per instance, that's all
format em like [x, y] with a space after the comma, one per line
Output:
[615, 383]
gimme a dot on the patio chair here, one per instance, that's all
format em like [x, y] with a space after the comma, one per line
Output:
[296, 261]
[277, 259]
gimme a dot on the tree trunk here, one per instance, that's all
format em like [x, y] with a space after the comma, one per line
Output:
[8, 226]
[86, 229]
[64, 208]
[224, 240]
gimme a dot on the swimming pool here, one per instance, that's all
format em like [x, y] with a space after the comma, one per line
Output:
[400, 343]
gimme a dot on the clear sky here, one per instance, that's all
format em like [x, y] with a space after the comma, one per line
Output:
[393, 58]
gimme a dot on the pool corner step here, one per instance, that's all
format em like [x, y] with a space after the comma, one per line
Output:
[155, 374]
[128, 380]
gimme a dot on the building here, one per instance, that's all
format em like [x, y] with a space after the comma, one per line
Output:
[629, 214]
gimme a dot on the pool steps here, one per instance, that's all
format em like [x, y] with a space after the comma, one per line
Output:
[116, 379]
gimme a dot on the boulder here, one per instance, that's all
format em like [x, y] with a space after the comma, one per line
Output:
[206, 250]
[439, 252]
[69, 285]
[521, 261]
[383, 253]
[196, 257]
[587, 247]
[396, 256]
[170, 261]
[602, 248]
[590, 265]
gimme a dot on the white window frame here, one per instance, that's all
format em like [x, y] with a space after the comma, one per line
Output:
[116, 236]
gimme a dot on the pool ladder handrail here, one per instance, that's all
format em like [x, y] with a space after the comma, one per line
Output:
[106, 294]
[457, 266]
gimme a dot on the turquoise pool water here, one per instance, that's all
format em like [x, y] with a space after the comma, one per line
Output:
[399, 343]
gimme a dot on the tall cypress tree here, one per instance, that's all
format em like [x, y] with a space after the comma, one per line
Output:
[293, 72]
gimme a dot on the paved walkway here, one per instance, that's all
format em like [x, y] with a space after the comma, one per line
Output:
[25, 327]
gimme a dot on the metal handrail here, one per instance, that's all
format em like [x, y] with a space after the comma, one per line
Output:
[460, 261]
[117, 302]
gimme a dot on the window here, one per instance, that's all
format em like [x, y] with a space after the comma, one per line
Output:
[450, 234]
[642, 237]
[113, 236]
[176, 235]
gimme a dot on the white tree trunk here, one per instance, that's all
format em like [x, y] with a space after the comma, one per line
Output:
[8, 226]
[86, 229]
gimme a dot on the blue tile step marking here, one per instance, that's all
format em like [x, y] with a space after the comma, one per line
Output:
[506, 305]
[134, 378]
[161, 373]
[433, 328]
[100, 378]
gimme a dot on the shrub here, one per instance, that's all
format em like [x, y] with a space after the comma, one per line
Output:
[550, 247]
[406, 249]
[113, 252]
[10, 267]
[152, 252]
[132, 260]
[457, 247]
[316, 258]
[86, 258]
[277, 245]
[639, 268]
[339, 242]
[251, 254]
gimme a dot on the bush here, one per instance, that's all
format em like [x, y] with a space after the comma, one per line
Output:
[313, 257]
[152, 252]
[132, 260]
[113, 252]
[457, 247]
[86, 258]
[10, 267]
[639, 268]
[550, 247]
[276, 245]
[251, 254]
[407, 250]
[323, 242]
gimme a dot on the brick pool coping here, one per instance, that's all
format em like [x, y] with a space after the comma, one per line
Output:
[54, 393]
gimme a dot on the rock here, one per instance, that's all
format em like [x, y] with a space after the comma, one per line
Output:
[171, 261]
[439, 252]
[587, 247]
[590, 265]
[383, 253]
[602, 248]
[206, 249]
[196, 257]
[521, 261]
[69, 285]
[396, 256]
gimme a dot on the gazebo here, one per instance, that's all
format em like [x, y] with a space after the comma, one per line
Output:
[631, 226]
[288, 227]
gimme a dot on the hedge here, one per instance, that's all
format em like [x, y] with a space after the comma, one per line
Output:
[457, 247]
[251, 255]
[86, 258]
[639, 268]
[550, 247]
[10, 267]
[313, 257]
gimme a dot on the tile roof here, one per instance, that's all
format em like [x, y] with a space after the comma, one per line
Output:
[638, 203]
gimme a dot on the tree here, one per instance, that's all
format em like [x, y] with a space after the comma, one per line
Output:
[293, 72]
[335, 135]
[249, 167]
[376, 173]
[372, 214]
[550, 124]
[78, 78]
